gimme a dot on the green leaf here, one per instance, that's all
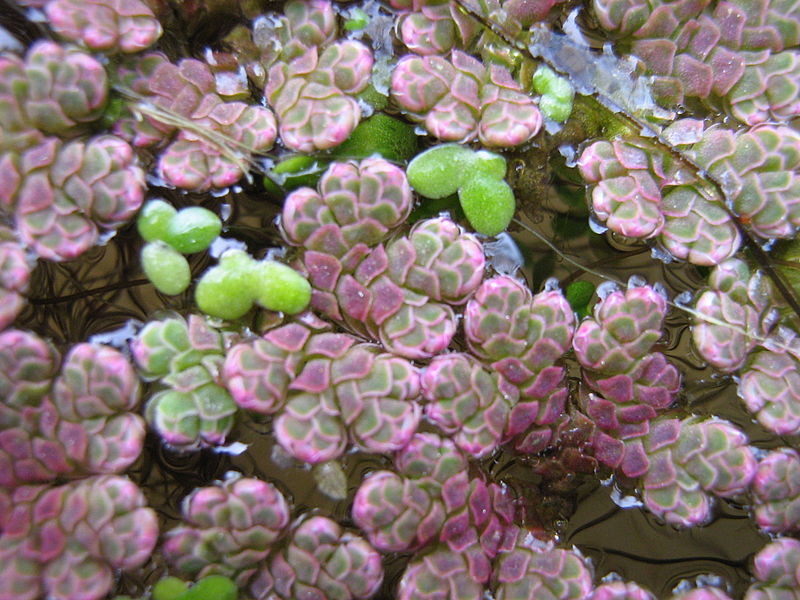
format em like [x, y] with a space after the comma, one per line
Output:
[281, 288]
[154, 219]
[488, 204]
[441, 170]
[166, 268]
[193, 229]
[169, 588]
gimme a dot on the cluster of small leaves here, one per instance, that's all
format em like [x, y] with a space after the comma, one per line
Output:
[104, 25]
[776, 569]
[229, 290]
[743, 312]
[310, 79]
[432, 26]
[186, 357]
[169, 235]
[736, 53]
[640, 191]
[775, 491]
[325, 389]
[398, 292]
[521, 339]
[461, 100]
[478, 178]
[61, 194]
[684, 463]
[68, 541]
[204, 142]
[240, 528]
[628, 385]
[437, 26]
[15, 274]
[461, 529]
[735, 329]
[69, 421]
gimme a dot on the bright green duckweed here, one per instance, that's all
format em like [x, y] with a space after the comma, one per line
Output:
[478, 178]
[229, 290]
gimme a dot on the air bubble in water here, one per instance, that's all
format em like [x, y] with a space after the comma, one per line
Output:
[234, 449]
[552, 285]
[661, 254]
[569, 154]
[504, 255]
[221, 244]
[684, 298]
[623, 500]
[635, 281]
[596, 226]
[605, 289]
[118, 338]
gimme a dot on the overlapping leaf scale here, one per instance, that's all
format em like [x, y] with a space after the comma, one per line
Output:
[444, 573]
[357, 203]
[465, 401]
[15, 274]
[431, 499]
[105, 25]
[524, 569]
[769, 386]
[52, 91]
[399, 293]
[629, 384]
[371, 401]
[313, 95]
[326, 390]
[534, 570]
[321, 560]
[203, 140]
[462, 100]
[311, 78]
[522, 337]
[641, 191]
[739, 303]
[240, 528]
[70, 541]
[72, 425]
[759, 170]
[192, 409]
[684, 463]
[433, 27]
[741, 52]
[776, 491]
[229, 529]
[776, 571]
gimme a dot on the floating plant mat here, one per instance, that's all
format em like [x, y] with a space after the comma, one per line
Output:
[543, 102]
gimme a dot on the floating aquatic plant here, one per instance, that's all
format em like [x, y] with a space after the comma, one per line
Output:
[532, 406]
[462, 100]
[105, 25]
[740, 54]
[193, 409]
[478, 178]
[240, 528]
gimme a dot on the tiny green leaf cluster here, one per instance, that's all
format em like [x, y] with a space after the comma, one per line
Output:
[170, 234]
[228, 290]
[557, 94]
[211, 587]
[477, 177]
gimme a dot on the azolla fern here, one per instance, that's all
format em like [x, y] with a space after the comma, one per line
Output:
[360, 320]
